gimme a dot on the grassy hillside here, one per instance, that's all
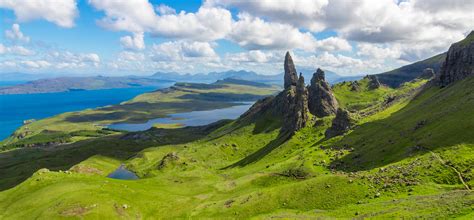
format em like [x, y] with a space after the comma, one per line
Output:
[182, 97]
[396, 77]
[410, 157]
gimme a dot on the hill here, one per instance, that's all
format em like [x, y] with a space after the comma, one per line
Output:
[64, 84]
[354, 150]
[396, 77]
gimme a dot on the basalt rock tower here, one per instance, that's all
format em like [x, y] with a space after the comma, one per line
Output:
[321, 99]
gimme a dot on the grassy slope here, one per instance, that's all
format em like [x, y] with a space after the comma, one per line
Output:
[366, 173]
[396, 77]
[89, 123]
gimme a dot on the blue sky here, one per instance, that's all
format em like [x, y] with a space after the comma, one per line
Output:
[113, 37]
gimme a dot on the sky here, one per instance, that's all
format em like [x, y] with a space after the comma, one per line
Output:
[141, 37]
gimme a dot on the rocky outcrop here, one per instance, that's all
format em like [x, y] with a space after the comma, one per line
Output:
[321, 99]
[374, 82]
[301, 105]
[341, 124]
[428, 73]
[459, 62]
[291, 76]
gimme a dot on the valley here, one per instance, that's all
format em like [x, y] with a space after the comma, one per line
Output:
[356, 149]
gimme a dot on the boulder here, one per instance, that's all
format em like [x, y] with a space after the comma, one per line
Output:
[340, 124]
[374, 82]
[459, 62]
[322, 101]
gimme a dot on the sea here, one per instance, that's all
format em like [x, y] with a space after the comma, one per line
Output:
[18, 107]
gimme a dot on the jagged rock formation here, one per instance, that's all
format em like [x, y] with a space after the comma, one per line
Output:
[340, 124]
[374, 82]
[355, 87]
[301, 108]
[321, 99]
[428, 73]
[459, 61]
[291, 77]
[294, 104]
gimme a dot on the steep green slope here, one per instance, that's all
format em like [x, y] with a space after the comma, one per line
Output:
[396, 77]
[410, 158]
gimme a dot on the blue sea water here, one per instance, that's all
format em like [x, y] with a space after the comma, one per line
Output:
[194, 118]
[16, 108]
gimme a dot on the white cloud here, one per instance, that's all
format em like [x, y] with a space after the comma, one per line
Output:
[66, 59]
[255, 33]
[16, 34]
[344, 65]
[333, 44]
[182, 50]
[15, 50]
[300, 13]
[378, 52]
[165, 9]
[206, 24]
[256, 56]
[62, 12]
[35, 64]
[134, 42]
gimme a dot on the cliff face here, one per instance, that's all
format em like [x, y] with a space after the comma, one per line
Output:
[321, 99]
[459, 61]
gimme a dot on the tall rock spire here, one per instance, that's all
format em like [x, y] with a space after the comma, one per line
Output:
[321, 99]
[291, 77]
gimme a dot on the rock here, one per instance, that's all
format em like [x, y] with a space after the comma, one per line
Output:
[168, 158]
[291, 77]
[428, 73]
[291, 105]
[355, 87]
[340, 125]
[321, 99]
[459, 62]
[301, 109]
[374, 82]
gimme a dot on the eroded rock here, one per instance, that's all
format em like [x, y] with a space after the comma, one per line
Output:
[321, 99]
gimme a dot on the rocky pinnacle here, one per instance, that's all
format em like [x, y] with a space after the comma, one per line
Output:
[291, 77]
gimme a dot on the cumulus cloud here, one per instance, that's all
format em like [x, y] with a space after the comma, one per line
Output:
[16, 34]
[15, 50]
[182, 50]
[134, 42]
[206, 24]
[254, 33]
[300, 13]
[434, 24]
[165, 9]
[62, 13]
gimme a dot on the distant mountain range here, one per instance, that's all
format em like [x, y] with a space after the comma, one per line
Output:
[41, 83]
[331, 77]
[64, 84]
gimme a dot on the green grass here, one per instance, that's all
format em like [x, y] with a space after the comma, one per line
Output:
[388, 166]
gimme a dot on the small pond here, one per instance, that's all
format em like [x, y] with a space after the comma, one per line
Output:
[194, 118]
[123, 174]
